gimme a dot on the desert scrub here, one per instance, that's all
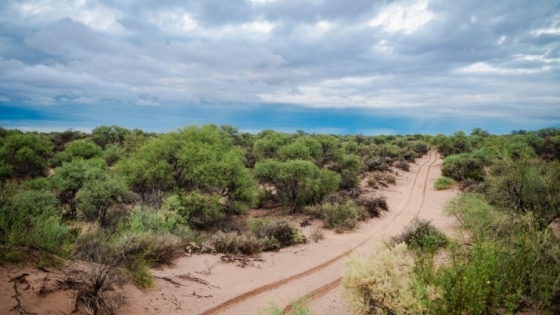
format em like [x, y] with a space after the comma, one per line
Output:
[234, 243]
[372, 182]
[373, 205]
[443, 183]
[421, 234]
[317, 235]
[391, 179]
[382, 284]
[342, 216]
[403, 166]
[268, 230]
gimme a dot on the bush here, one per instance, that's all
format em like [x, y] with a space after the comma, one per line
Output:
[233, 243]
[403, 166]
[463, 166]
[317, 235]
[382, 284]
[29, 219]
[391, 179]
[280, 230]
[443, 183]
[372, 182]
[132, 251]
[420, 234]
[373, 206]
[342, 217]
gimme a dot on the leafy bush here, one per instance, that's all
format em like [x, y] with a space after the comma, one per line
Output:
[29, 219]
[463, 166]
[443, 183]
[420, 234]
[82, 149]
[342, 217]
[526, 185]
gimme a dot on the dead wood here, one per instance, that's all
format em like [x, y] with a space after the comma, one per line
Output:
[242, 261]
[190, 277]
[170, 280]
[201, 296]
[16, 280]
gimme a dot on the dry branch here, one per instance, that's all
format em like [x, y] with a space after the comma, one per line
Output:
[190, 277]
[170, 280]
[242, 261]
[18, 307]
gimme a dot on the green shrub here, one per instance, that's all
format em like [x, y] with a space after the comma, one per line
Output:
[29, 219]
[145, 219]
[341, 217]
[463, 166]
[420, 234]
[443, 183]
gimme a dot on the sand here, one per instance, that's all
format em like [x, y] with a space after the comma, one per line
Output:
[312, 269]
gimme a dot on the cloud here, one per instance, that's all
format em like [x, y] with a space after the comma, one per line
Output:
[413, 58]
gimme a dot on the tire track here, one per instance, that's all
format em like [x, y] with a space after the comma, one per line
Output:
[317, 293]
[271, 286]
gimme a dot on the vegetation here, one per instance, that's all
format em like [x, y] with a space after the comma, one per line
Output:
[149, 196]
[507, 261]
[443, 183]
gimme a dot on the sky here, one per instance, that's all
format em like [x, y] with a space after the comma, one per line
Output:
[322, 66]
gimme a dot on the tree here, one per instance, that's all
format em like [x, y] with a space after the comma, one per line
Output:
[191, 159]
[291, 178]
[526, 185]
[329, 149]
[82, 148]
[30, 218]
[25, 154]
[104, 135]
[267, 146]
[99, 196]
[69, 178]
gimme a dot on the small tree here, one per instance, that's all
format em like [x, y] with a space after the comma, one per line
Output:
[25, 154]
[82, 148]
[99, 196]
[291, 178]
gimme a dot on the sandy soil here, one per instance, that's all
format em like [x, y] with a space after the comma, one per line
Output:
[312, 269]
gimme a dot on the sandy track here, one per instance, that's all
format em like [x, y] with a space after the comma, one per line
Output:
[287, 275]
[314, 282]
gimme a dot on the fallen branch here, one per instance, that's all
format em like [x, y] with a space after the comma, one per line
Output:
[242, 261]
[201, 296]
[190, 277]
[18, 307]
[170, 280]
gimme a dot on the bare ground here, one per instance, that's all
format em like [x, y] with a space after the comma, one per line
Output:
[312, 269]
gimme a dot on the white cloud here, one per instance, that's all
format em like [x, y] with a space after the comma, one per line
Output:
[403, 17]
[485, 68]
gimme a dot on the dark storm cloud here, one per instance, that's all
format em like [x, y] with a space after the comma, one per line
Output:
[414, 58]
